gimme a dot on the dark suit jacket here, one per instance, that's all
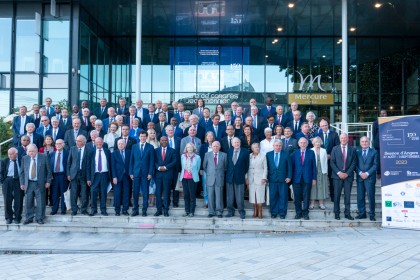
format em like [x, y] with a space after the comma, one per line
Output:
[291, 146]
[201, 133]
[142, 164]
[205, 124]
[98, 113]
[38, 140]
[120, 166]
[130, 142]
[236, 173]
[90, 173]
[73, 162]
[178, 117]
[21, 153]
[221, 132]
[91, 146]
[333, 140]
[16, 128]
[105, 124]
[224, 144]
[289, 116]
[264, 111]
[170, 162]
[64, 158]
[69, 124]
[40, 130]
[69, 140]
[369, 165]
[4, 168]
[291, 124]
[159, 131]
[283, 121]
[147, 119]
[307, 171]
[178, 132]
[244, 143]
[123, 111]
[337, 162]
[301, 134]
[85, 127]
[282, 171]
[60, 133]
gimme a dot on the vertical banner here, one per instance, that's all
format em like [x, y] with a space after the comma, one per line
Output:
[400, 168]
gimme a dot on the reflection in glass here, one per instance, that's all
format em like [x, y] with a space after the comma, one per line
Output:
[5, 43]
[56, 46]
[26, 98]
[27, 46]
[5, 102]
[55, 94]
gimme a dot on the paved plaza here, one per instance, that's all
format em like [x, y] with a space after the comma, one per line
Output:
[342, 253]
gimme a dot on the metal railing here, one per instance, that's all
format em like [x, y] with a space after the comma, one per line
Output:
[355, 131]
[4, 143]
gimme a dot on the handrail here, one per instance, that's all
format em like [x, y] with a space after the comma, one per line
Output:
[5, 142]
[356, 129]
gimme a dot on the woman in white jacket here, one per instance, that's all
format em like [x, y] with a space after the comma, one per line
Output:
[319, 192]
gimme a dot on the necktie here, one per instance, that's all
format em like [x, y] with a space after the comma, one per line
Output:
[254, 122]
[102, 110]
[230, 142]
[163, 154]
[235, 157]
[296, 126]
[170, 143]
[57, 163]
[302, 157]
[85, 122]
[15, 172]
[65, 122]
[200, 112]
[278, 120]
[151, 117]
[286, 141]
[344, 158]
[100, 161]
[55, 134]
[276, 159]
[269, 108]
[45, 131]
[125, 140]
[79, 153]
[33, 169]
[215, 130]
[161, 126]
[122, 155]
[326, 140]
[141, 150]
[75, 134]
[215, 159]
[192, 140]
[364, 154]
[131, 122]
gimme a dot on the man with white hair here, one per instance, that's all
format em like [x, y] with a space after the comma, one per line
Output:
[34, 137]
[56, 132]
[44, 127]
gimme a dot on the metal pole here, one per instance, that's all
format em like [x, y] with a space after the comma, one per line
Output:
[344, 61]
[138, 48]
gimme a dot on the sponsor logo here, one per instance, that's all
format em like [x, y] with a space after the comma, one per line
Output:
[388, 203]
[397, 204]
[389, 219]
[402, 193]
[408, 172]
[408, 204]
[388, 194]
[387, 173]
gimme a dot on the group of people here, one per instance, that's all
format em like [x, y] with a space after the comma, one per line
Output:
[154, 151]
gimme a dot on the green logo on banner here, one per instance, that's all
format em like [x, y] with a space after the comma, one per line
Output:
[388, 203]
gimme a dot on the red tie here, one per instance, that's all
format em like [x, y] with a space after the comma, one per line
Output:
[302, 157]
[215, 159]
[163, 154]
[344, 158]
[131, 122]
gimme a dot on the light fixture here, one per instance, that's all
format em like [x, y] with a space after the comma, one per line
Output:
[266, 56]
[352, 29]
[291, 5]
[392, 107]
[339, 41]
[279, 29]
[377, 5]
[324, 56]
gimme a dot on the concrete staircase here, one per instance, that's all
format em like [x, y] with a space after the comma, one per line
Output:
[320, 220]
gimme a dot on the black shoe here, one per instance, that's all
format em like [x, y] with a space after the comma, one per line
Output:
[273, 216]
[298, 216]
[17, 222]
[229, 215]
[117, 214]
[135, 213]
[185, 214]
[210, 215]
[40, 222]
[92, 213]
[282, 217]
[372, 219]
[73, 213]
[220, 216]
[27, 222]
[337, 216]
[166, 214]
[158, 213]
[104, 213]
[191, 215]
[361, 216]
[305, 217]
[242, 216]
[63, 212]
[8, 221]
[53, 213]
[125, 213]
[143, 214]
[176, 205]
[349, 217]
[85, 213]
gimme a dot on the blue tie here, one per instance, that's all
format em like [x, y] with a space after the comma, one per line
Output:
[276, 159]
[364, 154]
[170, 143]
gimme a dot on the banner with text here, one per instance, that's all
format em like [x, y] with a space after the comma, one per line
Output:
[400, 168]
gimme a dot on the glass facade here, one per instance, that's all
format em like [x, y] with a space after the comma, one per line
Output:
[218, 50]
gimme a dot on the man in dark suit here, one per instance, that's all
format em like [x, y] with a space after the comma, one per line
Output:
[304, 132]
[279, 176]
[174, 142]
[35, 177]
[45, 127]
[178, 131]
[48, 106]
[304, 176]
[237, 167]
[226, 142]
[200, 131]
[330, 139]
[22, 149]
[131, 117]
[290, 144]
[36, 116]
[90, 145]
[165, 164]
[343, 164]
[217, 128]
[142, 163]
[120, 166]
[122, 109]
[366, 178]
[205, 121]
[56, 132]
[71, 134]
[58, 163]
[86, 125]
[77, 162]
[101, 112]
[165, 110]
[129, 141]
[268, 109]
[259, 123]
[57, 112]
[150, 116]
[289, 115]
[179, 112]
[160, 126]
[111, 118]
[19, 125]
[35, 138]
[98, 176]
[140, 111]
[239, 113]
[65, 120]
[12, 194]
[279, 117]
[295, 123]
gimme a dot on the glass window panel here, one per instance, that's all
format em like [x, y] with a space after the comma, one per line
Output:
[26, 81]
[322, 59]
[276, 68]
[56, 95]
[165, 97]
[5, 43]
[253, 65]
[184, 61]
[56, 81]
[162, 74]
[5, 102]
[27, 46]
[208, 59]
[232, 59]
[56, 46]
[26, 98]
[4, 81]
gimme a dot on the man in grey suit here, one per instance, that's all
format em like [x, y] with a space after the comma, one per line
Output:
[35, 177]
[366, 178]
[191, 138]
[76, 173]
[289, 143]
[71, 134]
[215, 164]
